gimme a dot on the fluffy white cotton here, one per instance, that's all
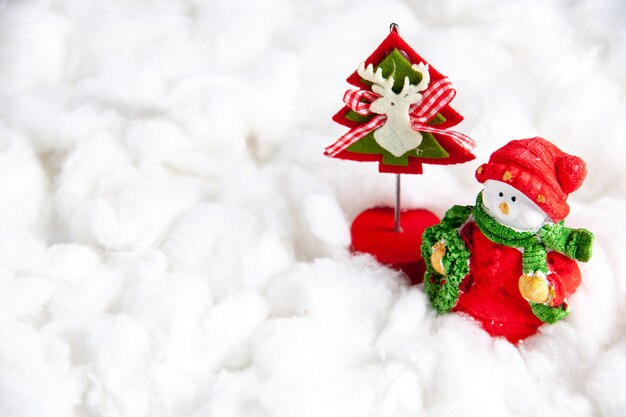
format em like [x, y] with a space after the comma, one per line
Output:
[174, 243]
[23, 182]
[25, 374]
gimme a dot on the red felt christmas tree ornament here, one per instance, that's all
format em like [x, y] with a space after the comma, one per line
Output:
[398, 116]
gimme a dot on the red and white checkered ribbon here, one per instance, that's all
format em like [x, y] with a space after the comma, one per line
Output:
[436, 96]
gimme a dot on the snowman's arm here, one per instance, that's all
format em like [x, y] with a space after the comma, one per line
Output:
[573, 243]
[557, 289]
[564, 277]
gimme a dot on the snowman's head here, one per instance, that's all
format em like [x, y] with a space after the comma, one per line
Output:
[511, 207]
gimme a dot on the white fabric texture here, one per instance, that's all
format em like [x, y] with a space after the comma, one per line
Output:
[174, 243]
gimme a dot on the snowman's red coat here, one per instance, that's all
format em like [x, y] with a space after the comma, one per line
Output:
[490, 292]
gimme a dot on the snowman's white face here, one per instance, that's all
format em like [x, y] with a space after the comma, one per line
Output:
[511, 207]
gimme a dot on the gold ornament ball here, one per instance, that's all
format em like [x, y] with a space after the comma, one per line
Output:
[534, 288]
[436, 258]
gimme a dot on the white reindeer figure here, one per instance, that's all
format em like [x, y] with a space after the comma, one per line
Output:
[396, 135]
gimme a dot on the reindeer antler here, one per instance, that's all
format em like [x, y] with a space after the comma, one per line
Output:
[409, 88]
[381, 85]
[422, 69]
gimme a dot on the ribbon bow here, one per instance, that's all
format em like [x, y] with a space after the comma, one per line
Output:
[434, 98]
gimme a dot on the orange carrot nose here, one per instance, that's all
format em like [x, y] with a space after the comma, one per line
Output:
[504, 208]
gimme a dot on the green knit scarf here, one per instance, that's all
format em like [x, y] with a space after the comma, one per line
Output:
[443, 291]
[534, 254]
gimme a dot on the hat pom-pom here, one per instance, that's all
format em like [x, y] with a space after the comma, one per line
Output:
[571, 172]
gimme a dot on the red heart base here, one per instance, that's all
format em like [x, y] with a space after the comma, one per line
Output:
[373, 232]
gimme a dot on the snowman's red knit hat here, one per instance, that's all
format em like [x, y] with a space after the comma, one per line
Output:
[540, 170]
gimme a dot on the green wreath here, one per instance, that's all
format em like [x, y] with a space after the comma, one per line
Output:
[443, 291]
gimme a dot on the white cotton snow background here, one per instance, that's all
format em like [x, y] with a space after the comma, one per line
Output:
[174, 243]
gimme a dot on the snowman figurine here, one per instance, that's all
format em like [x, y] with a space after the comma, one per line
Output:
[508, 261]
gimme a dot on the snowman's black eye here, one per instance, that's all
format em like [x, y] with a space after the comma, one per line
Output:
[501, 194]
[513, 199]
